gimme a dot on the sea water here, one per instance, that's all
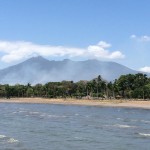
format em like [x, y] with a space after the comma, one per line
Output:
[66, 127]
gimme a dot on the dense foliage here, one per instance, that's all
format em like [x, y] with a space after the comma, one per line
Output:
[126, 86]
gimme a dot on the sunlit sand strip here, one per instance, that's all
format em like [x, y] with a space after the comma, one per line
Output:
[86, 102]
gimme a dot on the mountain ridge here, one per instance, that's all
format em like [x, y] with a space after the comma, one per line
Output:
[40, 70]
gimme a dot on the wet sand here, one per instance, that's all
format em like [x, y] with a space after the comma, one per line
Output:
[102, 103]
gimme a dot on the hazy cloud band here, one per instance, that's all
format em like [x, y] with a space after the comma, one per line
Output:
[18, 50]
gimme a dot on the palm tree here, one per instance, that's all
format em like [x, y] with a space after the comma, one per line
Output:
[99, 80]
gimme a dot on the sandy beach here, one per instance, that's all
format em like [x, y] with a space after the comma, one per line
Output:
[102, 103]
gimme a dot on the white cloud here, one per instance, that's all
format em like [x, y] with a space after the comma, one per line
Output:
[144, 38]
[145, 69]
[100, 51]
[103, 44]
[15, 51]
[133, 36]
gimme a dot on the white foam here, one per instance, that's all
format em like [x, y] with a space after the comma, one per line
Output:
[34, 112]
[118, 118]
[11, 140]
[123, 126]
[55, 116]
[2, 136]
[76, 114]
[22, 111]
[145, 121]
[145, 134]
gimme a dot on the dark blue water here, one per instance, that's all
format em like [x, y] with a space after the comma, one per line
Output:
[60, 127]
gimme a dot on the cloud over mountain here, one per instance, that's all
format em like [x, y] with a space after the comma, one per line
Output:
[145, 69]
[18, 50]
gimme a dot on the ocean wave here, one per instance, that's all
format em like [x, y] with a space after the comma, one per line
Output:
[76, 138]
[20, 111]
[119, 118]
[12, 140]
[40, 114]
[134, 120]
[123, 126]
[145, 121]
[8, 139]
[34, 112]
[2, 136]
[56, 116]
[76, 114]
[144, 134]
[120, 126]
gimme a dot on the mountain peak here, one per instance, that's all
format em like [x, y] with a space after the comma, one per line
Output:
[37, 57]
[66, 60]
[37, 60]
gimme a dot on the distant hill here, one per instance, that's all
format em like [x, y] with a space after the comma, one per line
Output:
[40, 70]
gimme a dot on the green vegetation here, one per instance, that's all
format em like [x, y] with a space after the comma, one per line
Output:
[126, 86]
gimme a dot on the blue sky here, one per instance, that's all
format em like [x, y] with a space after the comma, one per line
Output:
[110, 30]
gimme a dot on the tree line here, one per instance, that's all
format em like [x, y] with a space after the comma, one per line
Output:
[126, 86]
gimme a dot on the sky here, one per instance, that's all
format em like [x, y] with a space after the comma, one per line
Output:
[107, 30]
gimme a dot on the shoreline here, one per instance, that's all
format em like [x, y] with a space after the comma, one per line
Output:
[82, 102]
